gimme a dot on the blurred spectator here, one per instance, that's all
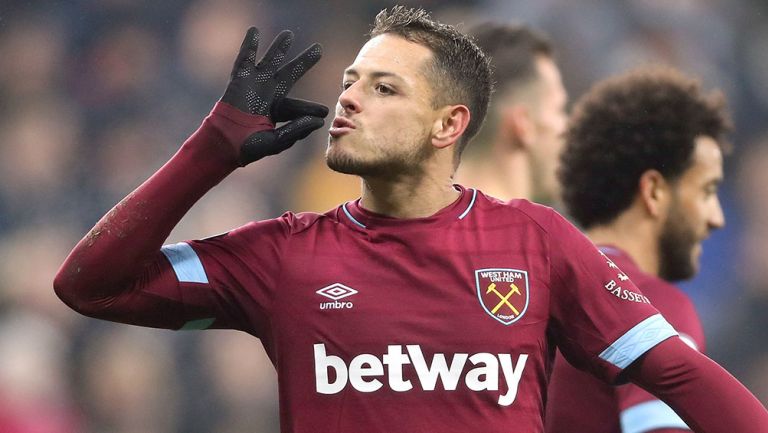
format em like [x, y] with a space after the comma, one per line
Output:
[129, 382]
[28, 258]
[38, 49]
[35, 394]
[37, 155]
[243, 381]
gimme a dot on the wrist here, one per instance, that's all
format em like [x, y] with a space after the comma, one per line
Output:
[235, 125]
[216, 145]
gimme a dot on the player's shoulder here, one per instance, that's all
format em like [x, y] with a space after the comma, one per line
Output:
[663, 294]
[520, 209]
[660, 292]
[285, 226]
[298, 222]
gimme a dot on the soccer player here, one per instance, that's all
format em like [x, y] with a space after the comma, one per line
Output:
[516, 151]
[640, 171]
[421, 307]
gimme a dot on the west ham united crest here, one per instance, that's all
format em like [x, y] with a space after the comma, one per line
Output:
[503, 293]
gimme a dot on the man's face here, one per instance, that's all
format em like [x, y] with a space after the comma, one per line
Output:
[549, 119]
[384, 115]
[695, 211]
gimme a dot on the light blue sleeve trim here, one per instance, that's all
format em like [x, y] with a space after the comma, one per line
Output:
[351, 218]
[198, 325]
[648, 416]
[186, 264]
[637, 341]
[471, 203]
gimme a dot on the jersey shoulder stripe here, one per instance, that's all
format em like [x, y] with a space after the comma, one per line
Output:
[185, 262]
[638, 340]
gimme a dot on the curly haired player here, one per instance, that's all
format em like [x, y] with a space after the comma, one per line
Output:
[640, 171]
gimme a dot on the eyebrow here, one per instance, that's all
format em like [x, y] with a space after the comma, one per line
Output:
[375, 74]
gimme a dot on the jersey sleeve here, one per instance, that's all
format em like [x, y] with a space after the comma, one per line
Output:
[119, 272]
[227, 281]
[599, 318]
[639, 410]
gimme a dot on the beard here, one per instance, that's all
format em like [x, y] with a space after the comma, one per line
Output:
[678, 239]
[388, 162]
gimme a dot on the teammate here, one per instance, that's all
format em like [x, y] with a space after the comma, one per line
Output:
[516, 151]
[423, 306]
[639, 173]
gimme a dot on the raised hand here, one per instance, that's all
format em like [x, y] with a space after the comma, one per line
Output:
[260, 89]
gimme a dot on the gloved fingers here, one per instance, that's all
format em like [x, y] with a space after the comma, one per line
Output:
[257, 146]
[293, 70]
[291, 108]
[247, 55]
[274, 141]
[276, 52]
[297, 130]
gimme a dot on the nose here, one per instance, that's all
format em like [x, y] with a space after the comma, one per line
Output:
[717, 217]
[349, 100]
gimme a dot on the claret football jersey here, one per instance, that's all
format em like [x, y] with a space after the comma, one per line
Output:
[440, 324]
[578, 403]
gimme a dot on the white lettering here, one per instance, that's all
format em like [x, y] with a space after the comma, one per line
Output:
[394, 360]
[365, 370]
[502, 276]
[322, 364]
[363, 366]
[439, 368]
[512, 375]
[335, 305]
[625, 294]
[489, 372]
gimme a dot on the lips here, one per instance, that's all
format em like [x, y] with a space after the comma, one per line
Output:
[341, 126]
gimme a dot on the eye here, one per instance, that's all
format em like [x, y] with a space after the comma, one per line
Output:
[346, 85]
[384, 89]
[711, 189]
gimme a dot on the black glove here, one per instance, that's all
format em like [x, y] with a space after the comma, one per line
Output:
[260, 89]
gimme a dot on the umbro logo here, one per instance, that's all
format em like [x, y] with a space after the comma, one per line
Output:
[336, 291]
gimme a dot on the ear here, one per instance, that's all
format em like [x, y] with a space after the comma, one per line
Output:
[450, 124]
[517, 124]
[654, 193]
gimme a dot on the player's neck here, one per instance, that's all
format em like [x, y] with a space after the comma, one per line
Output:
[408, 196]
[504, 175]
[636, 238]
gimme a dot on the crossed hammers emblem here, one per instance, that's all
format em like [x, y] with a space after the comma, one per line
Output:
[504, 298]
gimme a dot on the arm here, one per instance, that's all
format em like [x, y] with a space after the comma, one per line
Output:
[117, 271]
[640, 411]
[650, 416]
[708, 398]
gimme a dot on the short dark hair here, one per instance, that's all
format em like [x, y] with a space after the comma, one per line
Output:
[647, 119]
[460, 71]
[513, 50]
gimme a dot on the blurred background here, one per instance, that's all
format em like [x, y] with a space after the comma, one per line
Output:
[96, 94]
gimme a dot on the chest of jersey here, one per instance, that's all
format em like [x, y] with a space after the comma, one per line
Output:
[448, 313]
[434, 285]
